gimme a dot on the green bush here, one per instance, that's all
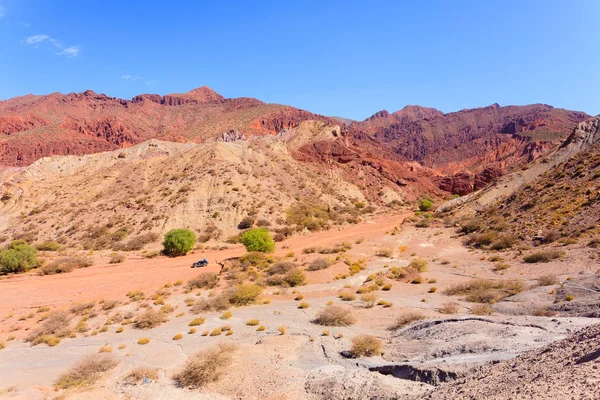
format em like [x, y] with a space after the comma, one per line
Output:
[178, 242]
[19, 257]
[49, 245]
[425, 205]
[245, 294]
[258, 239]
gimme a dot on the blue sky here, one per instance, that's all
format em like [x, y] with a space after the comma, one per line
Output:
[346, 58]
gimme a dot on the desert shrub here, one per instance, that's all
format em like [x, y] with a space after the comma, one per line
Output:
[303, 304]
[547, 280]
[420, 264]
[178, 242]
[252, 322]
[150, 319]
[137, 242]
[49, 245]
[246, 223]
[57, 324]
[19, 257]
[205, 280]
[369, 299]
[425, 205]
[594, 243]
[197, 321]
[470, 226]
[143, 341]
[308, 216]
[482, 309]
[486, 291]
[500, 266]
[206, 366]
[347, 295]
[116, 258]
[551, 236]
[335, 316]
[87, 371]
[139, 374]
[82, 308]
[384, 252]
[480, 239]
[65, 264]
[217, 303]
[243, 295]
[365, 346]
[407, 318]
[226, 315]
[318, 264]
[281, 267]
[543, 312]
[423, 223]
[543, 256]
[448, 308]
[258, 239]
[295, 277]
[503, 241]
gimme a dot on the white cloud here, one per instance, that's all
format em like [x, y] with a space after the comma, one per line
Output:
[137, 78]
[152, 82]
[70, 52]
[35, 39]
[126, 77]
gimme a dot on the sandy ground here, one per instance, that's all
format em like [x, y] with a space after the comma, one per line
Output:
[303, 363]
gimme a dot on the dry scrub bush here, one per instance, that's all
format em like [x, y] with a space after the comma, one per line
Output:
[177, 336]
[226, 315]
[407, 318]
[449, 308]
[295, 277]
[82, 308]
[543, 256]
[500, 267]
[206, 366]
[217, 303]
[384, 253]
[303, 304]
[87, 371]
[319, 264]
[365, 345]
[206, 280]
[482, 309]
[369, 299]
[347, 295]
[252, 322]
[196, 322]
[143, 341]
[116, 258]
[547, 280]
[420, 264]
[65, 264]
[486, 291]
[56, 326]
[137, 375]
[335, 316]
[150, 319]
[245, 294]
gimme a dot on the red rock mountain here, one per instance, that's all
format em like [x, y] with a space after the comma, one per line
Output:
[471, 147]
[468, 148]
[32, 127]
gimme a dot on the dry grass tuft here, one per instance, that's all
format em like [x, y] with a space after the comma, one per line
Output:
[87, 371]
[486, 291]
[365, 345]
[542, 256]
[449, 308]
[150, 319]
[335, 316]
[137, 375]
[206, 366]
[482, 309]
[143, 341]
[407, 318]
[547, 280]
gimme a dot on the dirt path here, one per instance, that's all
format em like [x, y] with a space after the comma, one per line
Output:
[24, 292]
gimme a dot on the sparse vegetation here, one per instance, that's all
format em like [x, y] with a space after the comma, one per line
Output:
[206, 280]
[139, 374]
[449, 308]
[87, 371]
[366, 346]
[542, 256]
[243, 295]
[547, 280]
[65, 264]
[18, 257]
[318, 264]
[486, 291]
[482, 309]
[407, 318]
[335, 316]
[150, 319]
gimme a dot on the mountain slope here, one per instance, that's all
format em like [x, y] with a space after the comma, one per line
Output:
[32, 127]
[471, 140]
[157, 186]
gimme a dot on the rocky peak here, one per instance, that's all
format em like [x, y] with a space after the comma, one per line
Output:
[418, 112]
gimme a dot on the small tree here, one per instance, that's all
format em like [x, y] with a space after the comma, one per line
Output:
[425, 205]
[19, 257]
[178, 242]
[258, 239]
